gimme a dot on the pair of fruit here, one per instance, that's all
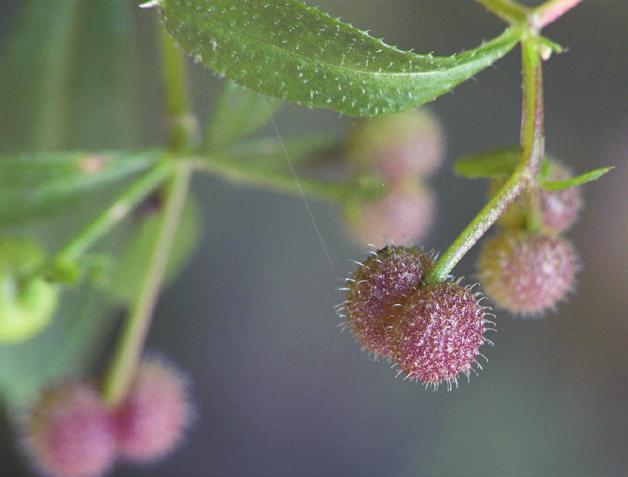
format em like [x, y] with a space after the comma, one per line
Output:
[433, 331]
[402, 150]
[528, 273]
[69, 432]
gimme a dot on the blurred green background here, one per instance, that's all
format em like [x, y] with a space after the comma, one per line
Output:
[279, 390]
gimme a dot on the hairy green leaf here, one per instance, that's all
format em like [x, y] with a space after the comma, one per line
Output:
[239, 112]
[575, 181]
[286, 49]
[32, 184]
[493, 164]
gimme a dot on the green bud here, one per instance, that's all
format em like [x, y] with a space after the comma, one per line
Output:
[27, 302]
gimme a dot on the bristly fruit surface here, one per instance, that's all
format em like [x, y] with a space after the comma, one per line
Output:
[68, 433]
[153, 419]
[379, 286]
[439, 333]
[527, 274]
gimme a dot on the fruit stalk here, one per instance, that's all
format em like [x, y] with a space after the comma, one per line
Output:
[525, 175]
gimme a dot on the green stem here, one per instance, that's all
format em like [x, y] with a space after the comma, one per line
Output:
[238, 172]
[114, 214]
[533, 146]
[551, 11]
[182, 123]
[507, 10]
[130, 346]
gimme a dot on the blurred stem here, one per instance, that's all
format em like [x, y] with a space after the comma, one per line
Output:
[507, 10]
[247, 173]
[177, 102]
[114, 214]
[525, 175]
[129, 348]
[551, 11]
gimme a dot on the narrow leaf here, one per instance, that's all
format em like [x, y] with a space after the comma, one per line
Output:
[493, 164]
[32, 184]
[286, 49]
[239, 112]
[575, 181]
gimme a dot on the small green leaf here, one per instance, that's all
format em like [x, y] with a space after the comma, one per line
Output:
[33, 184]
[493, 164]
[131, 263]
[575, 181]
[286, 49]
[239, 112]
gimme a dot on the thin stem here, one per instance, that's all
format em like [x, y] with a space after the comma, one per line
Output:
[550, 11]
[114, 214]
[533, 145]
[248, 174]
[507, 10]
[131, 343]
[181, 122]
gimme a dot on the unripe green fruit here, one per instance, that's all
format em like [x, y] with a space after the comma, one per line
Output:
[397, 146]
[527, 274]
[402, 217]
[27, 303]
[559, 209]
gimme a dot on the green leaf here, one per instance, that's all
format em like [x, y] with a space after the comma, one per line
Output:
[239, 112]
[493, 164]
[286, 49]
[33, 184]
[131, 263]
[575, 181]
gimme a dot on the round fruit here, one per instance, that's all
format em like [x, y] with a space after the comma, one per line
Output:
[527, 274]
[439, 333]
[152, 420]
[377, 288]
[403, 217]
[68, 432]
[397, 146]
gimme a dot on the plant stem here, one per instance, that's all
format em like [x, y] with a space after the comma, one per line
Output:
[550, 11]
[248, 174]
[115, 213]
[182, 123]
[533, 146]
[507, 10]
[130, 346]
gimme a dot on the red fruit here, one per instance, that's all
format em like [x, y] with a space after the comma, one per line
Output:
[527, 274]
[68, 432]
[398, 146]
[439, 333]
[154, 416]
[403, 217]
[377, 288]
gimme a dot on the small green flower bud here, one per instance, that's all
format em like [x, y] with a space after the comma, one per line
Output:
[27, 303]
